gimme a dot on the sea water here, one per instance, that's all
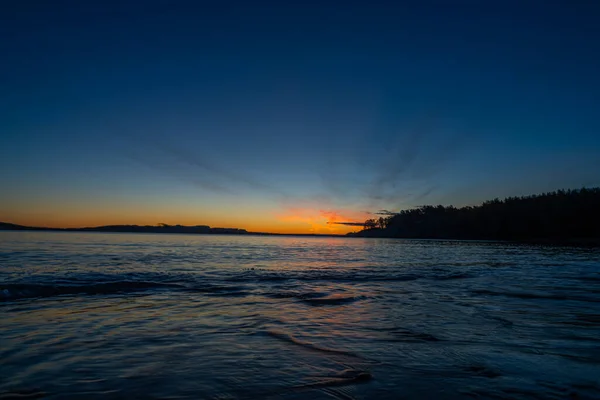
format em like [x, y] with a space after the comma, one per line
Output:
[94, 315]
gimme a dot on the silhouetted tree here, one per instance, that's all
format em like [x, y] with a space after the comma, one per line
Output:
[370, 224]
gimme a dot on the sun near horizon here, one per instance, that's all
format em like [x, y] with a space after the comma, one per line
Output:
[296, 221]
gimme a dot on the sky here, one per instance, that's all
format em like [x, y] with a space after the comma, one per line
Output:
[285, 116]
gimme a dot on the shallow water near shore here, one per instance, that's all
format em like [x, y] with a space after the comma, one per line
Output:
[90, 315]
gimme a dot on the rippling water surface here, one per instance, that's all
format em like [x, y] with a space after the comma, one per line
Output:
[242, 317]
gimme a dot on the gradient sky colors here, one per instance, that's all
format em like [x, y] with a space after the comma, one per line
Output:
[283, 116]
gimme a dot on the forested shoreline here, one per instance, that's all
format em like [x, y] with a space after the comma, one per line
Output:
[562, 215]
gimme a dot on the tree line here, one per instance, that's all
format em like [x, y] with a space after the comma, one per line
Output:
[563, 214]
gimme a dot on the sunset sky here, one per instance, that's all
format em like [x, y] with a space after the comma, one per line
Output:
[283, 116]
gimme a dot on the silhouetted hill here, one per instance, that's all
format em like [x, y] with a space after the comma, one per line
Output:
[162, 228]
[5, 226]
[561, 216]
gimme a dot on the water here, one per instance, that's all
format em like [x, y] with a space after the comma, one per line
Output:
[245, 317]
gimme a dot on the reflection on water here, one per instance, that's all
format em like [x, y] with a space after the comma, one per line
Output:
[241, 317]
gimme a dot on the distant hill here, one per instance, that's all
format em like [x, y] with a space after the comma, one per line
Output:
[560, 216]
[162, 228]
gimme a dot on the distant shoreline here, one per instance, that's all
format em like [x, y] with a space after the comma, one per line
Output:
[161, 229]
[575, 242]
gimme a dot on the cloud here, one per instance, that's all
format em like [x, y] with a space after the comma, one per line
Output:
[348, 223]
[385, 212]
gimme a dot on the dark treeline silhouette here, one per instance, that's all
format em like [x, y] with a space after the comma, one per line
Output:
[560, 215]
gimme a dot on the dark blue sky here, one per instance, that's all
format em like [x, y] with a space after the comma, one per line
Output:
[282, 114]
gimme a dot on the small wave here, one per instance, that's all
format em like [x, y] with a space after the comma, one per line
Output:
[407, 335]
[22, 395]
[398, 278]
[452, 276]
[316, 298]
[483, 370]
[218, 290]
[344, 276]
[592, 278]
[534, 295]
[315, 276]
[286, 337]
[335, 385]
[295, 294]
[22, 291]
[17, 291]
[342, 379]
[335, 300]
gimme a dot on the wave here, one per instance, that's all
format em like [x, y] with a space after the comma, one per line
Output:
[315, 276]
[316, 298]
[23, 291]
[286, 337]
[535, 296]
[335, 300]
[16, 291]
[592, 278]
[335, 385]
[344, 378]
[407, 335]
[445, 277]
[352, 275]
[225, 283]
[22, 395]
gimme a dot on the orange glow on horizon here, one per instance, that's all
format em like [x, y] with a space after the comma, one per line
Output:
[304, 219]
[292, 221]
[322, 221]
